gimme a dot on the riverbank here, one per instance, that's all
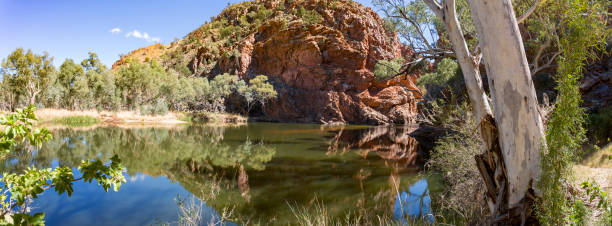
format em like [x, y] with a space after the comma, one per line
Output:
[91, 117]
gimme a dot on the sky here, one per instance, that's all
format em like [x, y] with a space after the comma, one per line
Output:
[72, 28]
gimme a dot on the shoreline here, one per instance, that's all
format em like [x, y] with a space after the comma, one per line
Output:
[50, 116]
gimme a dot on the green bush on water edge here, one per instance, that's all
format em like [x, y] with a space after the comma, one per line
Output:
[81, 120]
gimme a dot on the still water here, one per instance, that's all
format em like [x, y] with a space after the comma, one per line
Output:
[260, 172]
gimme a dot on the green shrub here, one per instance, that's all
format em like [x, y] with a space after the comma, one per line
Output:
[310, 17]
[199, 117]
[445, 81]
[579, 214]
[387, 69]
[453, 156]
[77, 121]
[160, 107]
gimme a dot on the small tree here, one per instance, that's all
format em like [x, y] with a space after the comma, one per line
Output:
[222, 86]
[262, 90]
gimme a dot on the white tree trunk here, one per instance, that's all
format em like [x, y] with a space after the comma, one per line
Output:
[469, 66]
[519, 124]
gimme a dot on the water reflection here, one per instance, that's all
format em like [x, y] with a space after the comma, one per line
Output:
[254, 170]
[414, 204]
[391, 143]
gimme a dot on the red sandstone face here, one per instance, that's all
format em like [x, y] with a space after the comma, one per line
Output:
[323, 72]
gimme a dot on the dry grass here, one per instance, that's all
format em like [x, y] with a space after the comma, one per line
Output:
[51, 118]
[49, 115]
[597, 167]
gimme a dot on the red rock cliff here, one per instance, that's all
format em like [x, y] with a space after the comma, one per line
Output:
[322, 71]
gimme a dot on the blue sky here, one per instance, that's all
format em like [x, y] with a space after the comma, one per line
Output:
[71, 28]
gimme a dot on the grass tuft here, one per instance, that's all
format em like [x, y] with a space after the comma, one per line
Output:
[77, 121]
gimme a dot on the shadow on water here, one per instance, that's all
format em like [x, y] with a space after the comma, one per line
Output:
[255, 171]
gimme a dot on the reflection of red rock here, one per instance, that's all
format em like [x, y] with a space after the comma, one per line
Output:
[387, 142]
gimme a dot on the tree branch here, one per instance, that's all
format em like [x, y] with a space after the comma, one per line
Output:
[548, 64]
[435, 7]
[529, 12]
[416, 26]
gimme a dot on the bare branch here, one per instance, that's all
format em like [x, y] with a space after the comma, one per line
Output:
[529, 12]
[408, 67]
[416, 26]
[435, 7]
[538, 55]
[477, 59]
[436, 53]
[477, 55]
[548, 64]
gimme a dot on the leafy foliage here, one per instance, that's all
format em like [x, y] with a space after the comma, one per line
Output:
[259, 90]
[387, 69]
[17, 129]
[26, 75]
[18, 189]
[594, 193]
[447, 81]
[580, 33]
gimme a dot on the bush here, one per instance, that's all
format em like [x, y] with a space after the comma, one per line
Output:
[445, 81]
[77, 121]
[310, 16]
[160, 107]
[386, 69]
[453, 157]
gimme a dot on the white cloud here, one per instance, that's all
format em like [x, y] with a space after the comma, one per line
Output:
[115, 30]
[142, 35]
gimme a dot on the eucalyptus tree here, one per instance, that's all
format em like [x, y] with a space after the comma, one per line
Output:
[138, 83]
[514, 134]
[27, 74]
[72, 78]
[101, 83]
[259, 90]
[222, 87]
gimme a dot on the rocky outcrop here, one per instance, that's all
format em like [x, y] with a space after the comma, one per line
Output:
[321, 70]
[143, 54]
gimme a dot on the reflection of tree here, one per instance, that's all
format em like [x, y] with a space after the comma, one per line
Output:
[197, 157]
[146, 150]
[387, 142]
[223, 169]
